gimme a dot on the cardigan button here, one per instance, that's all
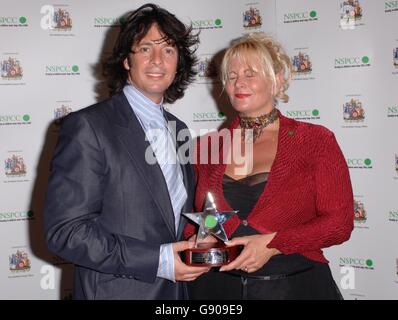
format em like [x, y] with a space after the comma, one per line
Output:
[245, 223]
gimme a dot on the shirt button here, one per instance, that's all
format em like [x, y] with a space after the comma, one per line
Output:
[245, 223]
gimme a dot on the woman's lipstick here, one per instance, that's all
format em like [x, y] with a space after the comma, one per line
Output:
[242, 95]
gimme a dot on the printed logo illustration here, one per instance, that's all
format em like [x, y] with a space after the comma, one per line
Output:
[350, 13]
[207, 68]
[19, 262]
[359, 211]
[15, 166]
[353, 111]
[61, 20]
[396, 261]
[396, 163]
[301, 64]
[61, 112]
[252, 18]
[11, 69]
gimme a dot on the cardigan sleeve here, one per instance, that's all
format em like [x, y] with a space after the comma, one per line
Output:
[334, 205]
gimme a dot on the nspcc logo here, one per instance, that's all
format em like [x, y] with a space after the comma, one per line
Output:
[14, 119]
[11, 216]
[304, 16]
[13, 21]
[392, 112]
[391, 6]
[393, 215]
[351, 62]
[208, 116]
[207, 24]
[62, 70]
[304, 114]
[359, 163]
[109, 22]
[358, 263]
[11, 69]
[252, 18]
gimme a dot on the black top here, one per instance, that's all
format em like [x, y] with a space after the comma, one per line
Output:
[242, 195]
[284, 277]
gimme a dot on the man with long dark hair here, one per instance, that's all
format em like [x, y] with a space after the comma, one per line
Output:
[111, 209]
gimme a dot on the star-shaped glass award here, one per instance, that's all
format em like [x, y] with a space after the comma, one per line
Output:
[210, 222]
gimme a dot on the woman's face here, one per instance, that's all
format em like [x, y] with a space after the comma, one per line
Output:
[249, 91]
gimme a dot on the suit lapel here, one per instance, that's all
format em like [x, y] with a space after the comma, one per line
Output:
[132, 136]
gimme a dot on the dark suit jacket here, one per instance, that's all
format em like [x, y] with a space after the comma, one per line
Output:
[107, 210]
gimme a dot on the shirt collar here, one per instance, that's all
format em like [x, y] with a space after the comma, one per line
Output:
[136, 97]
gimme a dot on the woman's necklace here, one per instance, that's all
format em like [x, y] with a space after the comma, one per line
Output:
[257, 124]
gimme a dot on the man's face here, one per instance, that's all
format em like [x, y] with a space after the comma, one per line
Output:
[153, 65]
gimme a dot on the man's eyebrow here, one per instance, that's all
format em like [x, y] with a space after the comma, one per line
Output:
[157, 41]
[148, 42]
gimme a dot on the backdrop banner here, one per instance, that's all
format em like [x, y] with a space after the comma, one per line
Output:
[345, 77]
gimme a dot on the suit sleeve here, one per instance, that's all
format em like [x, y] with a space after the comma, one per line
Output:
[334, 204]
[73, 206]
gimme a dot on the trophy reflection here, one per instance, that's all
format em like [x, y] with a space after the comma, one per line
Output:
[211, 222]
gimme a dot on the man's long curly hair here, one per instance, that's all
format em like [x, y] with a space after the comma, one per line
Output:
[134, 26]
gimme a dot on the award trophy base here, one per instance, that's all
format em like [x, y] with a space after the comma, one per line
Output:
[211, 255]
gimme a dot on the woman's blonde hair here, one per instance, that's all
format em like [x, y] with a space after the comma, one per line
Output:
[271, 55]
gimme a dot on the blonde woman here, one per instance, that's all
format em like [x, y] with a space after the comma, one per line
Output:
[297, 198]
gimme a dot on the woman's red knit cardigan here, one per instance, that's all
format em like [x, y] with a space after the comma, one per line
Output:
[308, 197]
